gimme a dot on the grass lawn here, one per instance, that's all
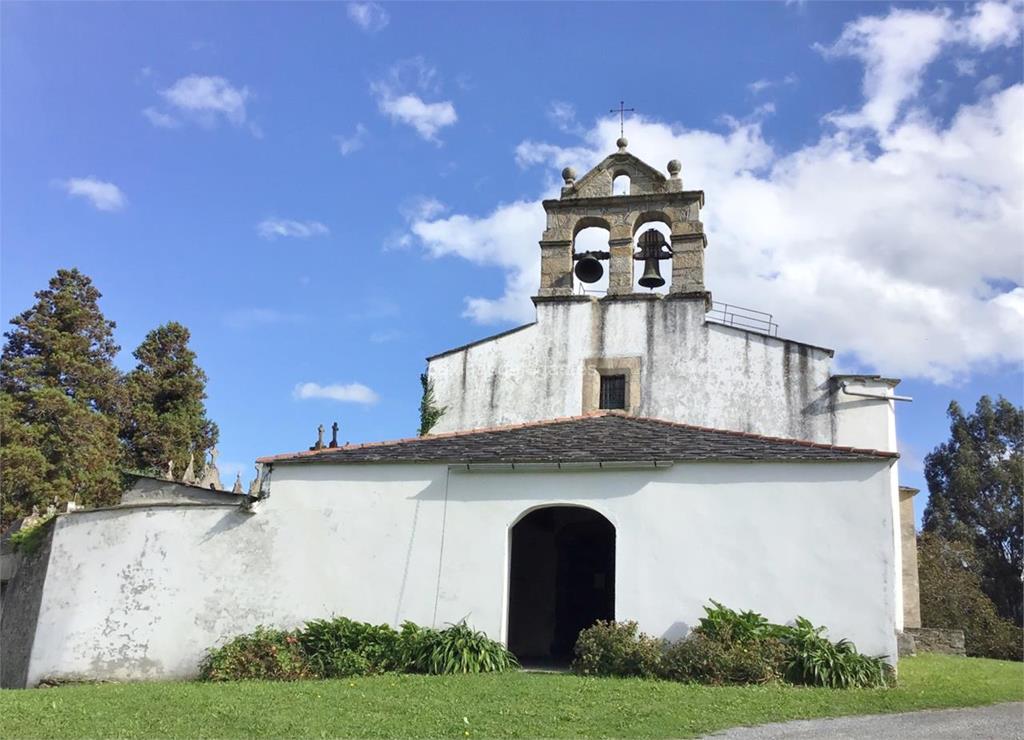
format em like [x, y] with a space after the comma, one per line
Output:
[511, 704]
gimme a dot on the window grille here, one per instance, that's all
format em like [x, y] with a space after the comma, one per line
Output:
[613, 391]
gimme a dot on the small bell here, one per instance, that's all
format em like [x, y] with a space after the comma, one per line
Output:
[652, 275]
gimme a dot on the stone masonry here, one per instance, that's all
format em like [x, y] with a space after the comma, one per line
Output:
[653, 197]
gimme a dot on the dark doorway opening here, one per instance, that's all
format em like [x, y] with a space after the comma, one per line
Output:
[562, 580]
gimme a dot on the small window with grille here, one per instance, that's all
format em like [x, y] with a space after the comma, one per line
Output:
[613, 392]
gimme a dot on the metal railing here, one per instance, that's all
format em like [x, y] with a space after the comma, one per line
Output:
[743, 318]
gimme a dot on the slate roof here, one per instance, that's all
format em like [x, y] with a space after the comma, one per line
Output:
[599, 437]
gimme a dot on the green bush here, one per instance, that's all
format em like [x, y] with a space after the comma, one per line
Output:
[415, 646]
[264, 654]
[727, 625]
[461, 649]
[343, 647]
[815, 660]
[703, 659]
[617, 649]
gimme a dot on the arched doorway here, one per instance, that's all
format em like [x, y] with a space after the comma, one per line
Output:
[562, 580]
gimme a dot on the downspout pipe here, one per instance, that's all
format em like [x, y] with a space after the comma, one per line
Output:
[893, 397]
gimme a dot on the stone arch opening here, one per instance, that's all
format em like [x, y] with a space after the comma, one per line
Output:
[561, 580]
[591, 235]
[621, 183]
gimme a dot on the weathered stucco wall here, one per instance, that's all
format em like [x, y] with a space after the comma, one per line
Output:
[691, 370]
[141, 593]
[20, 609]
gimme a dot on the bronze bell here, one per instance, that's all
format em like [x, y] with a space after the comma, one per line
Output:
[588, 268]
[651, 245]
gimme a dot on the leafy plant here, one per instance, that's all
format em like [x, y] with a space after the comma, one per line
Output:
[430, 412]
[727, 625]
[343, 647]
[617, 649]
[415, 646]
[461, 649]
[28, 539]
[703, 659]
[263, 654]
[815, 660]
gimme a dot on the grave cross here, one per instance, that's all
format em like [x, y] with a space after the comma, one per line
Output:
[622, 110]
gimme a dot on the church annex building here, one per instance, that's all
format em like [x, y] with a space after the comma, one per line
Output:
[629, 456]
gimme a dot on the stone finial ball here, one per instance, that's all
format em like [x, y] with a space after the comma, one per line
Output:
[569, 174]
[674, 167]
[622, 143]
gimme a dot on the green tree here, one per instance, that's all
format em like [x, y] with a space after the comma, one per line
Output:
[165, 417]
[952, 598]
[975, 483]
[59, 401]
[430, 412]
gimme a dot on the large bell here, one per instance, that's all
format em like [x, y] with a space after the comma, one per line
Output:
[653, 249]
[652, 275]
[589, 269]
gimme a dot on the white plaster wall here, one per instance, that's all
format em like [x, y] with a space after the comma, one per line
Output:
[691, 371]
[141, 593]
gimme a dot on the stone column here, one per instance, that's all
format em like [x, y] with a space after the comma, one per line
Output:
[556, 267]
[688, 259]
[908, 542]
[620, 266]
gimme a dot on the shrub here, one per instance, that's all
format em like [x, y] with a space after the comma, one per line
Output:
[815, 660]
[264, 654]
[461, 649]
[342, 647]
[726, 625]
[702, 659]
[952, 598]
[415, 646]
[616, 649]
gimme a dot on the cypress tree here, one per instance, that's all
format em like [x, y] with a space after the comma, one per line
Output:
[166, 417]
[60, 397]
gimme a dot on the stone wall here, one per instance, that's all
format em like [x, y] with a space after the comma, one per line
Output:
[19, 616]
[933, 640]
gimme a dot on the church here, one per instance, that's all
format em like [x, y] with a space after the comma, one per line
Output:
[626, 456]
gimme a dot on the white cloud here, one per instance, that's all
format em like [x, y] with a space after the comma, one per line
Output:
[563, 115]
[160, 119]
[396, 98]
[989, 85]
[272, 228]
[245, 318]
[370, 17]
[759, 86]
[897, 48]
[888, 252]
[204, 100]
[965, 67]
[347, 393]
[426, 118]
[353, 143]
[104, 196]
[422, 208]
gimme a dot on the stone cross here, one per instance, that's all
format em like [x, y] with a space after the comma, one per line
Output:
[320, 437]
[334, 435]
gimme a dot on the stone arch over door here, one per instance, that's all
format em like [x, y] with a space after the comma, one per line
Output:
[561, 580]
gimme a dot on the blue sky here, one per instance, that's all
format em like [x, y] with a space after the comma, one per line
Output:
[326, 194]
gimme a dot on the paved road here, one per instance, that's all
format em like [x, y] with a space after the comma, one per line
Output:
[1002, 721]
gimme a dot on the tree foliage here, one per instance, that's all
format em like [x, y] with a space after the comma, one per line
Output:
[975, 483]
[59, 400]
[952, 598]
[165, 417]
[430, 412]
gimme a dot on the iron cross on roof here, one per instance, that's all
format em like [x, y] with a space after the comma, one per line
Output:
[622, 110]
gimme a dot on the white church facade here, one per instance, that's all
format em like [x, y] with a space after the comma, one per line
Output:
[623, 457]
